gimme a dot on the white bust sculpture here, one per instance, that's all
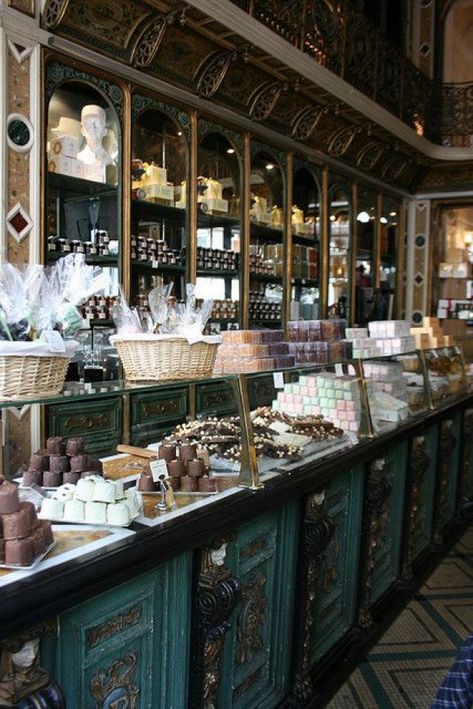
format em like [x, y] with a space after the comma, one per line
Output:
[93, 156]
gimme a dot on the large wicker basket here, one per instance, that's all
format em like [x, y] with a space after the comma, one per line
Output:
[159, 357]
[27, 377]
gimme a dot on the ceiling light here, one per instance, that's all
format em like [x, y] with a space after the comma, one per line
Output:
[383, 220]
[230, 151]
[269, 166]
[179, 132]
[333, 217]
[363, 217]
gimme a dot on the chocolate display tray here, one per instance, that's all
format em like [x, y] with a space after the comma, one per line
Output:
[35, 563]
[19, 482]
[178, 493]
[92, 524]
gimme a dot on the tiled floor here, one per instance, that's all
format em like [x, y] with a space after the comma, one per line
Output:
[408, 664]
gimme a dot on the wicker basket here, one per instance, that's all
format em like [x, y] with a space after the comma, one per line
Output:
[26, 377]
[158, 357]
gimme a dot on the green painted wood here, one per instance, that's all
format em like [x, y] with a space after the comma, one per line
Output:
[154, 415]
[467, 462]
[387, 553]
[423, 531]
[98, 421]
[129, 642]
[256, 663]
[215, 400]
[448, 471]
[336, 591]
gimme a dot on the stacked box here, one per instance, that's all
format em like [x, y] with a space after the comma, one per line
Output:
[385, 377]
[335, 398]
[252, 351]
[318, 341]
[430, 335]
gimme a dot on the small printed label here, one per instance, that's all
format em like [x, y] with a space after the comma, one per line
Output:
[339, 370]
[278, 379]
[55, 341]
[158, 469]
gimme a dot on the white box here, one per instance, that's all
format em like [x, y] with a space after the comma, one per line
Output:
[156, 191]
[65, 146]
[214, 205]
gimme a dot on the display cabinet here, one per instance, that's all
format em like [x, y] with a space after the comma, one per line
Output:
[445, 373]
[339, 248]
[159, 198]
[219, 264]
[306, 235]
[267, 237]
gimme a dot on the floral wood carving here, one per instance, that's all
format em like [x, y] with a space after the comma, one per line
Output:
[215, 70]
[419, 464]
[115, 686]
[150, 39]
[251, 619]
[341, 140]
[306, 121]
[265, 100]
[53, 13]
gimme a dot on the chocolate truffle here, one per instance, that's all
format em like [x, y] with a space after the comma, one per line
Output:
[79, 463]
[167, 452]
[16, 525]
[32, 477]
[207, 484]
[39, 460]
[96, 465]
[195, 468]
[58, 463]
[175, 483]
[145, 484]
[55, 445]
[31, 512]
[48, 532]
[51, 478]
[75, 446]
[176, 468]
[187, 451]
[188, 484]
[70, 478]
[9, 499]
[19, 552]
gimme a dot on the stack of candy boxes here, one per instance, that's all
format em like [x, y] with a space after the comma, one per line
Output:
[383, 337]
[336, 398]
[386, 377]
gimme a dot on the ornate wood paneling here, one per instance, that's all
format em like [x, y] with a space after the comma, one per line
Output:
[466, 491]
[128, 643]
[447, 473]
[256, 659]
[421, 494]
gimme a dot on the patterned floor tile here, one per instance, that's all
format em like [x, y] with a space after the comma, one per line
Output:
[453, 575]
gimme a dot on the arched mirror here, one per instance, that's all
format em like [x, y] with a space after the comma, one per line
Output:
[266, 239]
[338, 294]
[305, 226]
[83, 198]
[218, 226]
[158, 205]
[365, 280]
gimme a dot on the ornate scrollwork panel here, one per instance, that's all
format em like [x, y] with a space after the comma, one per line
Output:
[57, 74]
[251, 619]
[149, 41]
[341, 140]
[319, 530]
[467, 438]
[369, 155]
[419, 464]
[306, 121]
[115, 686]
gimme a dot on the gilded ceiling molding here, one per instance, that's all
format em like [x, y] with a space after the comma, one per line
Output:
[369, 155]
[215, 69]
[265, 100]
[151, 37]
[306, 121]
[53, 13]
[341, 140]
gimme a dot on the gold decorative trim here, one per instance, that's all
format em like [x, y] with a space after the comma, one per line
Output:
[113, 626]
[118, 678]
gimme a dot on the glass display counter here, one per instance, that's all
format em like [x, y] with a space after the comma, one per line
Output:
[445, 374]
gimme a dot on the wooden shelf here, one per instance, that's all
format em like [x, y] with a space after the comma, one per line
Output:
[111, 261]
[78, 186]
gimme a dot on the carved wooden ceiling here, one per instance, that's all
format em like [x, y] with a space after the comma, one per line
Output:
[177, 43]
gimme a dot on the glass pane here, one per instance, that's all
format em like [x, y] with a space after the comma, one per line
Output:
[365, 295]
[305, 246]
[339, 253]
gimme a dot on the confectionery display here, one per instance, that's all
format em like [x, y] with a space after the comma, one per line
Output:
[318, 341]
[155, 251]
[262, 309]
[187, 470]
[301, 225]
[259, 210]
[305, 262]
[445, 372]
[101, 245]
[62, 461]
[150, 183]
[23, 537]
[266, 260]
[277, 435]
[252, 351]
[335, 398]
[209, 196]
[430, 335]
[217, 259]
[99, 307]
[92, 501]
[392, 336]
[225, 309]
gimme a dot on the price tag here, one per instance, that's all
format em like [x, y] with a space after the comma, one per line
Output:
[158, 469]
[339, 370]
[155, 264]
[55, 341]
[278, 380]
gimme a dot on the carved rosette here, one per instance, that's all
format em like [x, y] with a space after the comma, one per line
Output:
[265, 101]
[375, 524]
[419, 464]
[306, 122]
[319, 530]
[218, 592]
[115, 687]
[53, 12]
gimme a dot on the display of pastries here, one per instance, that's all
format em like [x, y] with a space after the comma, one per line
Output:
[62, 461]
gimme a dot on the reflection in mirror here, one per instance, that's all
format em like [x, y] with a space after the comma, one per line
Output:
[305, 245]
[389, 234]
[266, 240]
[158, 190]
[218, 232]
[339, 253]
[365, 296]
